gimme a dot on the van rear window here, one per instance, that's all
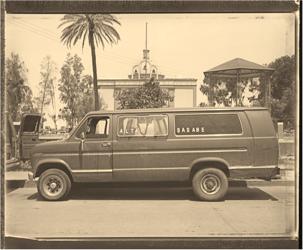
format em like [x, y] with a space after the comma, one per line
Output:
[153, 125]
[207, 124]
[31, 124]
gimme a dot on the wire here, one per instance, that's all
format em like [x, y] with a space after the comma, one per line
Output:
[125, 60]
[31, 30]
[35, 27]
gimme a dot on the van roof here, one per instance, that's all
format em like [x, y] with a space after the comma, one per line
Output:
[175, 110]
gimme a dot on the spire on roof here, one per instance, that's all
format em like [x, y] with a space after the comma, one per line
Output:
[146, 51]
[146, 35]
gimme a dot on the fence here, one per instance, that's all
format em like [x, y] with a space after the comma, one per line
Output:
[286, 141]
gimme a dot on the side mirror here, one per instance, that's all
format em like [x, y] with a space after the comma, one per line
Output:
[82, 135]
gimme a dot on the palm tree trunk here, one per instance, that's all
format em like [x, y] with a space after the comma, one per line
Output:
[95, 80]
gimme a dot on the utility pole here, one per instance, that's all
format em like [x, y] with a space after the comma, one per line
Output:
[49, 85]
[43, 97]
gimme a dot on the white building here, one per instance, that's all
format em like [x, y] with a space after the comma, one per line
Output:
[182, 89]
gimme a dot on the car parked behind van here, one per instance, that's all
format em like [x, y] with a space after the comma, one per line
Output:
[206, 146]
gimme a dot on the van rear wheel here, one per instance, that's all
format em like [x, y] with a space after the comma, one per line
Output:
[210, 184]
[54, 184]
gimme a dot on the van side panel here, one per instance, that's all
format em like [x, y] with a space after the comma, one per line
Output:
[266, 147]
[145, 159]
[236, 150]
[171, 157]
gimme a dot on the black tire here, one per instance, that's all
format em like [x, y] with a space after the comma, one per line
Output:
[54, 184]
[210, 184]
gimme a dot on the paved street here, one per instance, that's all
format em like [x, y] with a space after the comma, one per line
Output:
[159, 212]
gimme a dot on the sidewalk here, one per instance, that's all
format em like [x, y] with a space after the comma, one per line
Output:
[16, 176]
[16, 179]
[12, 164]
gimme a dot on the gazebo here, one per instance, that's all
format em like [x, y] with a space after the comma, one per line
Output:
[238, 69]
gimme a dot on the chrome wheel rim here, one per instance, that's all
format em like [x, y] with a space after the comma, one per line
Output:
[53, 185]
[210, 184]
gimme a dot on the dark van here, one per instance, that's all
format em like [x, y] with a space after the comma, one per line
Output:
[206, 146]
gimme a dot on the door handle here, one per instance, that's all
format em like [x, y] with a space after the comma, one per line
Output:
[106, 144]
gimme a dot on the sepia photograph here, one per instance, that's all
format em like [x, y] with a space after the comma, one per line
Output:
[151, 126]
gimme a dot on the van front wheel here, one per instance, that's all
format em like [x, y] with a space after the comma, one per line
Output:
[54, 184]
[210, 184]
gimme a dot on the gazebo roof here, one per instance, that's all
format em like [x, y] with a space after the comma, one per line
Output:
[237, 66]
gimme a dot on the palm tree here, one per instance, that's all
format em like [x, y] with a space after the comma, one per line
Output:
[98, 28]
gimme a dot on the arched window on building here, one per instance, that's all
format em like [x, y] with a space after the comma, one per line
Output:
[154, 74]
[136, 75]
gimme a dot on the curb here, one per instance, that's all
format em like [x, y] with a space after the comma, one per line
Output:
[232, 183]
[261, 183]
[152, 242]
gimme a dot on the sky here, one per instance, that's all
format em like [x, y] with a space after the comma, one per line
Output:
[181, 45]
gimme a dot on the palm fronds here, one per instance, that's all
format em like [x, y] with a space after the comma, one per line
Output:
[79, 26]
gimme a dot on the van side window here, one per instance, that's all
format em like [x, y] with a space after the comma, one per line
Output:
[97, 127]
[207, 124]
[154, 125]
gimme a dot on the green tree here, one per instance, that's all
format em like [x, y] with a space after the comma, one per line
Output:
[98, 28]
[283, 89]
[69, 87]
[283, 96]
[19, 94]
[85, 100]
[149, 95]
[75, 91]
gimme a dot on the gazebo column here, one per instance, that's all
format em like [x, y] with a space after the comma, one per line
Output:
[267, 91]
[237, 88]
[211, 90]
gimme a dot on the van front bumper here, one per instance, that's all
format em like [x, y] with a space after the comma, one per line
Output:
[30, 176]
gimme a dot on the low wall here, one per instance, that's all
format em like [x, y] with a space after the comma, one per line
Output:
[286, 147]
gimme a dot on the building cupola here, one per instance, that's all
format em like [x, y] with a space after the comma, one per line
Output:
[145, 69]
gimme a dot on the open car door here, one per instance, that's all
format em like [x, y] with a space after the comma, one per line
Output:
[28, 134]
